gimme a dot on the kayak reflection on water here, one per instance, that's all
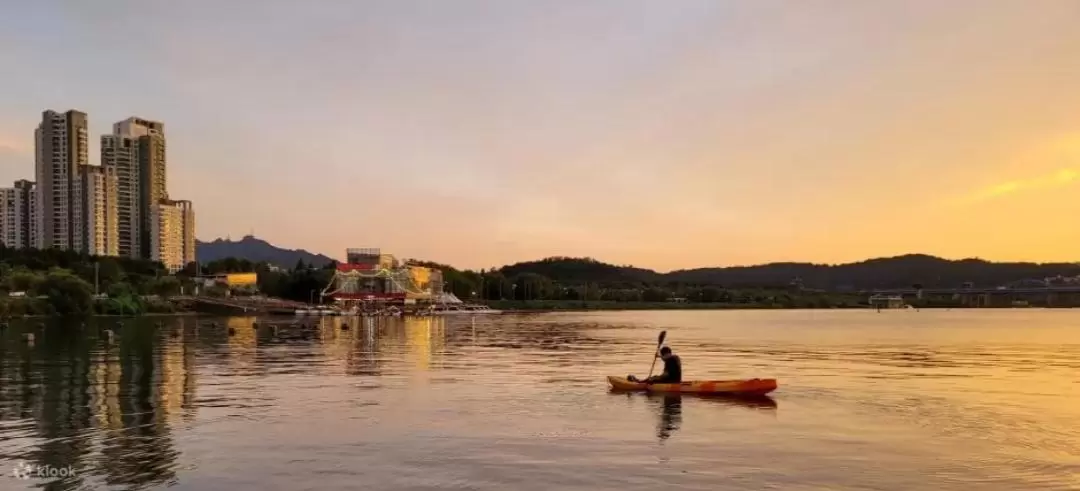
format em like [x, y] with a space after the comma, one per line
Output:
[671, 406]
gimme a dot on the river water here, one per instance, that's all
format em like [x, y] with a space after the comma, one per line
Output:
[899, 400]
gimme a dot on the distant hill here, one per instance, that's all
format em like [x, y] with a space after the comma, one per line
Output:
[892, 272]
[256, 250]
[572, 270]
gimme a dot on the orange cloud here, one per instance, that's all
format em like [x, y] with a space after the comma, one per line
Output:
[1059, 152]
[1063, 177]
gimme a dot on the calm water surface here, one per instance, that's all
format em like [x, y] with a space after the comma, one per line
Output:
[943, 400]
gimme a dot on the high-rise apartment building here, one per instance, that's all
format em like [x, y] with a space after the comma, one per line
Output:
[121, 208]
[28, 195]
[136, 150]
[111, 212]
[187, 236]
[96, 227]
[172, 238]
[18, 215]
[61, 146]
[120, 157]
[9, 218]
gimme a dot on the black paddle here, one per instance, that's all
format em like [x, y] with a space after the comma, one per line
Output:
[656, 354]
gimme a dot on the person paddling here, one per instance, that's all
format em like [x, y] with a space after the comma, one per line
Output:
[672, 369]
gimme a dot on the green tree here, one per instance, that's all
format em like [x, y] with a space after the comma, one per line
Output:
[655, 295]
[709, 294]
[67, 294]
[109, 272]
[531, 286]
[22, 280]
[121, 289]
[190, 270]
[495, 286]
[165, 286]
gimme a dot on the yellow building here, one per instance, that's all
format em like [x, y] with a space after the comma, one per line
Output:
[172, 237]
[233, 280]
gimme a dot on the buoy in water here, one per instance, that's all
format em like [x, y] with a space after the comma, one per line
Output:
[232, 331]
[344, 327]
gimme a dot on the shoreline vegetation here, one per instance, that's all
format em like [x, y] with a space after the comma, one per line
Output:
[65, 283]
[513, 306]
[45, 283]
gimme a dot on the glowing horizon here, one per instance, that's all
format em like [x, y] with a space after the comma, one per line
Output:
[663, 135]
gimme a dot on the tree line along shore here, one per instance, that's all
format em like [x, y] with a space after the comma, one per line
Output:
[57, 282]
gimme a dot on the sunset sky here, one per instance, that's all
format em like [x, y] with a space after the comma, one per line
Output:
[664, 134]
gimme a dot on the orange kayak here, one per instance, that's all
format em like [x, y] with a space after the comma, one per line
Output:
[747, 387]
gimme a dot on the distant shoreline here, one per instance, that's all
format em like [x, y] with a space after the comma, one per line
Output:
[588, 306]
[508, 306]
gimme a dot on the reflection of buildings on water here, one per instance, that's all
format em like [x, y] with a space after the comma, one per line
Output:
[426, 340]
[175, 380]
[104, 389]
[243, 343]
[371, 340]
[362, 358]
[102, 408]
[156, 385]
[336, 343]
[63, 412]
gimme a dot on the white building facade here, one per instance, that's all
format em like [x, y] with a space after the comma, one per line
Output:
[18, 215]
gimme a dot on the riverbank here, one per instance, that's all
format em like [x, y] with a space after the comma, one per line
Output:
[19, 307]
[581, 306]
[535, 306]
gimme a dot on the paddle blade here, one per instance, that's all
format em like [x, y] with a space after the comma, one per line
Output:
[660, 340]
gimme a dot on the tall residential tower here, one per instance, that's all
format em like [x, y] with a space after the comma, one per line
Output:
[18, 215]
[172, 241]
[120, 158]
[96, 228]
[136, 154]
[61, 146]
[121, 208]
